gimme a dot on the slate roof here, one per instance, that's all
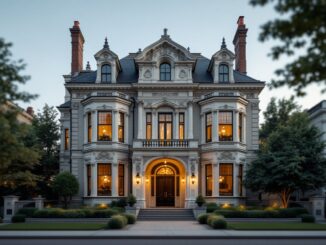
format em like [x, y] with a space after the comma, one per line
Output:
[129, 73]
[65, 105]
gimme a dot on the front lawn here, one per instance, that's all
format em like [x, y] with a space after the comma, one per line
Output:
[275, 226]
[53, 226]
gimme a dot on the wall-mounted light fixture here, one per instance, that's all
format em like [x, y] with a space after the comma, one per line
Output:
[193, 178]
[137, 178]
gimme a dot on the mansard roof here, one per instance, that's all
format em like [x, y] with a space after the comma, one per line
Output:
[129, 73]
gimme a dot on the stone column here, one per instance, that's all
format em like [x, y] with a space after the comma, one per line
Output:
[126, 128]
[190, 121]
[114, 179]
[203, 128]
[244, 128]
[175, 125]
[318, 207]
[85, 180]
[214, 126]
[9, 207]
[115, 115]
[154, 125]
[94, 180]
[140, 120]
[39, 202]
[235, 126]
[235, 179]
[94, 126]
[216, 178]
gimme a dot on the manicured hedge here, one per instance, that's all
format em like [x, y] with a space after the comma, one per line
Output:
[307, 218]
[74, 213]
[216, 221]
[28, 212]
[279, 213]
[130, 217]
[117, 222]
[18, 218]
[202, 218]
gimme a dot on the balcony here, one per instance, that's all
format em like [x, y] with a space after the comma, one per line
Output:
[165, 144]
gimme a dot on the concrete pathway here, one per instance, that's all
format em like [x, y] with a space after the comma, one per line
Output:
[164, 230]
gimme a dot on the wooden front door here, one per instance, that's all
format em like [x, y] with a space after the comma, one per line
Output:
[165, 191]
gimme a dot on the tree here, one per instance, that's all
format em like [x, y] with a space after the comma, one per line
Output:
[291, 160]
[66, 185]
[17, 155]
[302, 33]
[46, 129]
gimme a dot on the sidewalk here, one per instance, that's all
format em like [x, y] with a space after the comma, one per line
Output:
[164, 230]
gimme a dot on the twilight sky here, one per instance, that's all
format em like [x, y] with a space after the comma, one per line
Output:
[39, 30]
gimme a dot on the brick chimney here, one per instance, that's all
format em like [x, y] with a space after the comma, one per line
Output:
[239, 42]
[30, 111]
[77, 46]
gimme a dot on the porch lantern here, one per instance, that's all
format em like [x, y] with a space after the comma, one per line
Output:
[137, 178]
[193, 178]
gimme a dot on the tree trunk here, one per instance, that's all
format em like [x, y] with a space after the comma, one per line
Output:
[285, 197]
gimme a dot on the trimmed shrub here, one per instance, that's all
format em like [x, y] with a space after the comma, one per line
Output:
[28, 212]
[307, 218]
[200, 200]
[18, 218]
[122, 202]
[213, 217]
[211, 207]
[281, 213]
[117, 222]
[49, 213]
[219, 223]
[292, 212]
[130, 217]
[202, 218]
[131, 200]
[74, 213]
[104, 213]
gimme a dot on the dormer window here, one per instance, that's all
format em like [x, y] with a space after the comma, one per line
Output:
[165, 72]
[106, 74]
[223, 72]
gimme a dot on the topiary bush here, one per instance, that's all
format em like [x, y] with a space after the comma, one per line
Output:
[131, 200]
[200, 200]
[211, 207]
[218, 223]
[307, 218]
[28, 212]
[202, 218]
[18, 218]
[130, 218]
[117, 222]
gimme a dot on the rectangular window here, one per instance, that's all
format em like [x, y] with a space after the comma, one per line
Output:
[104, 127]
[226, 179]
[225, 126]
[165, 126]
[89, 179]
[66, 139]
[89, 127]
[240, 126]
[240, 180]
[178, 186]
[208, 122]
[181, 126]
[149, 126]
[121, 185]
[209, 179]
[121, 127]
[104, 179]
[152, 186]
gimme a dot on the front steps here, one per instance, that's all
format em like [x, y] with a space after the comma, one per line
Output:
[172, 214]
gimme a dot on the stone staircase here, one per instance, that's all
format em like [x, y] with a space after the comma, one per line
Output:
[165, 214]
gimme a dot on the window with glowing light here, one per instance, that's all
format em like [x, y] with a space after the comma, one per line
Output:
[225, 126]
[226, 179]
[209, 179]
[121, 127]
[181, 126]
[104, 179]
[240, 180]
[165, 126]
[66, 139]
[121, 184]
[240, 127]
[208, 121]
[104, 127]
[148, 126]
[89, 179]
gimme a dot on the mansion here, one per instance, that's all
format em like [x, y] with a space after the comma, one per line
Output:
[163, 123]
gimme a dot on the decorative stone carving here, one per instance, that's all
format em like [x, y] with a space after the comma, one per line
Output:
[164, 94]
[104, 156]
[183, 74]
[226, 155]
[75, 105]
[148, 74]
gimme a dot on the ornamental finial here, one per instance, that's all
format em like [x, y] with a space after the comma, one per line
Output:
[106, 44]
[223, 43]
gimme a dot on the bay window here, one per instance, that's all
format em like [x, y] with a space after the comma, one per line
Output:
[240, 131]
[121, 127]
[89, 179]
[89, 127]
[208, 122]
[121, 180]
[66, 139]
[225, 127]
[148, 126]
[104, 127]
[181, 126]
[104, 179]
[226, 179]
[209, 179]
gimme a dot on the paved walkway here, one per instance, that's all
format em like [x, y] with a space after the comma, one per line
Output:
[164, 230]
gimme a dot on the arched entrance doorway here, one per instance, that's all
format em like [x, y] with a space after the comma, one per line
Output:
[165, 184]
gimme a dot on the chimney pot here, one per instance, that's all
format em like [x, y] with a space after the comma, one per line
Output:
[30, 111]
[77, 46]
[239, 42]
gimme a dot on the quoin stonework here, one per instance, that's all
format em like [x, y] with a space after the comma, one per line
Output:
[163, 123]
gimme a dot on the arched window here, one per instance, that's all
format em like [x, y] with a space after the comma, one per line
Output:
[223, 73]
[106, 73]
[165, 72]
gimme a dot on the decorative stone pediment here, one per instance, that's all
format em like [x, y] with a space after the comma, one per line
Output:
[104, 156]
[225, 155]
[164, 102]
